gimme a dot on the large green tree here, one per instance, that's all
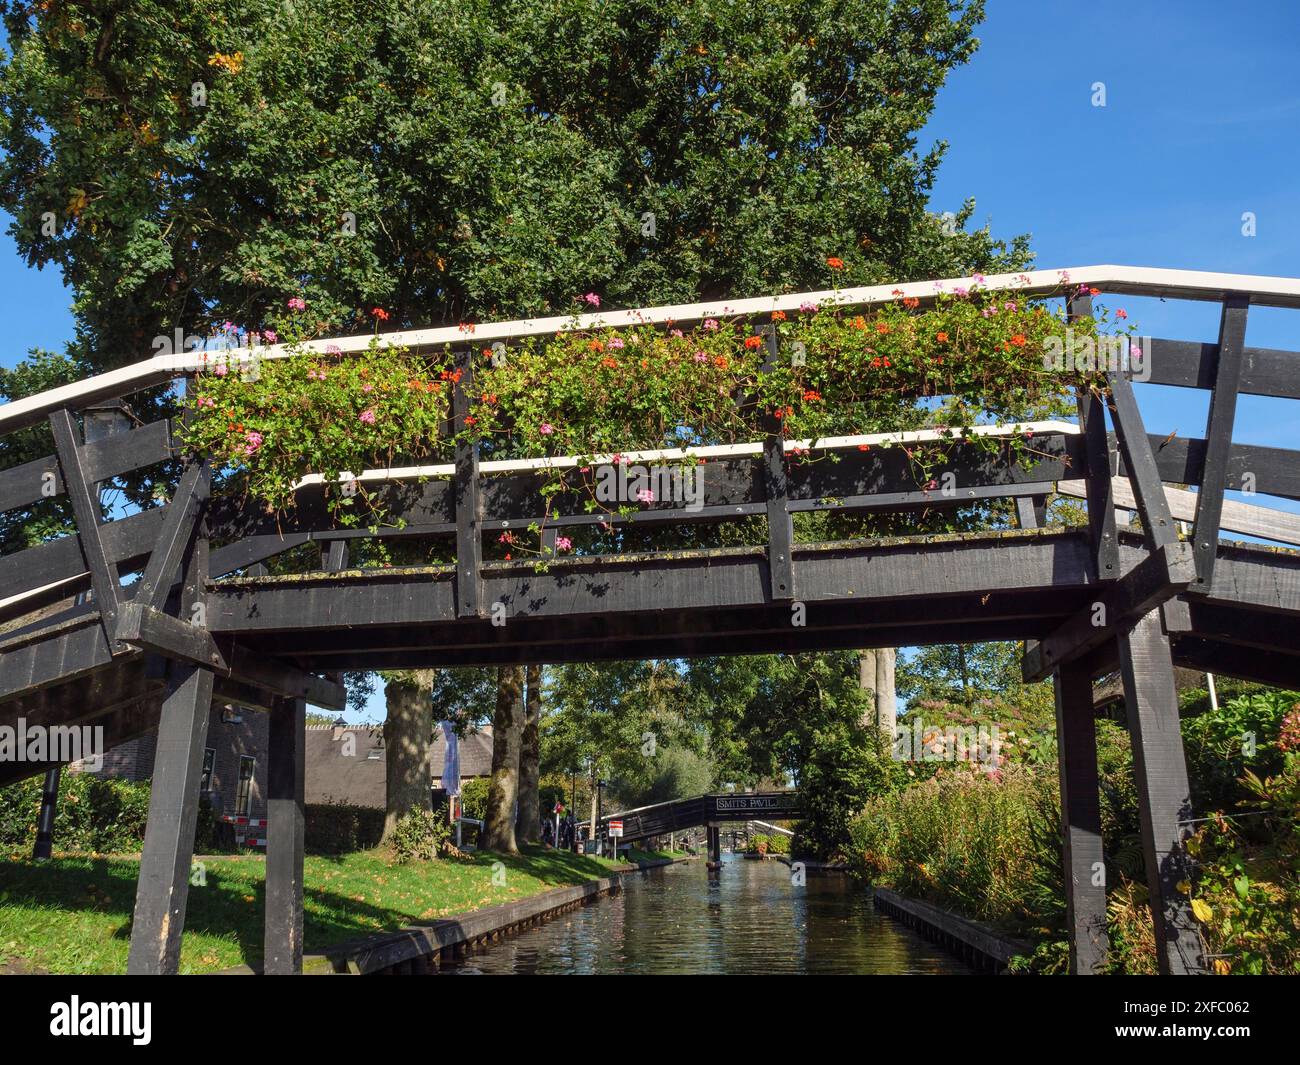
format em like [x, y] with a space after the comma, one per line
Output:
[451, 160]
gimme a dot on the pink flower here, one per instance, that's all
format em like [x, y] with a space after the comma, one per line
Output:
[221, 369]
[675, 332]
[646, 495]
[333, 349]
[701, 357]
[271, 335]
[563, 543]
[252, 441]
[615, 342]
[592, 299]
[367, 388]
[1010, 305]
[1121, 314]
[546, 429]
[808, 307]
[710, 324]
[297, 304]
[368, 416]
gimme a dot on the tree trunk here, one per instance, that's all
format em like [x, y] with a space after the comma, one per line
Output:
[867, 682]
[507, 730]
[408, 737]
[528, 827]
[886, 697]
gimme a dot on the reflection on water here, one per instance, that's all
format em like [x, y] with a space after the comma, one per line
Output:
[749, 919]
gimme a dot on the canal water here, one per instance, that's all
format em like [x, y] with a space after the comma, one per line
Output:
[749, 919]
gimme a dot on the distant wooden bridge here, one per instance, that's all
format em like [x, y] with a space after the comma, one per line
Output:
[200, 623]
[707, 811]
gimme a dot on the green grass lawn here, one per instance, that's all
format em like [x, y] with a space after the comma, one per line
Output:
[73, 914]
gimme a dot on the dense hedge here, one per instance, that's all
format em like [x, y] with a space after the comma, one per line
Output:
[95, 813]
[337, 828]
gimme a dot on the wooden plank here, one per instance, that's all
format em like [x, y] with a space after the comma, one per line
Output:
[1164, 797]
[284, 839]
[780, 525]
[1158, 577]
[102, 460]
[179, 531]
[469, 503]
[126, 543]
[152, 630]
[1268, 470]
[163, 885]
[1246, 518]
[85, 509]
[1157, 527]
[1218, 437]
[1190, 364]
[1083, 860]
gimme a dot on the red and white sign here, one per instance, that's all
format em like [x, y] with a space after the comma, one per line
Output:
[616, 829]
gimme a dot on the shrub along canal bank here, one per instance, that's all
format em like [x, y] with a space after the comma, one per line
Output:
[72, 914]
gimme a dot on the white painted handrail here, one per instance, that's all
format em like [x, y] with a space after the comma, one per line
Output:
[1129, 280]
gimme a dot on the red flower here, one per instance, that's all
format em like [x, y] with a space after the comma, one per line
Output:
[753, 342]
[380, 314]
[834, 263]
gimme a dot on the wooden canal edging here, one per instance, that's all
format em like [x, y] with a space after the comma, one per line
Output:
[974, 942]
[421, 949]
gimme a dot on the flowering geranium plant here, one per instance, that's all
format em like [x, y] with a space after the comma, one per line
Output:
[966, 357]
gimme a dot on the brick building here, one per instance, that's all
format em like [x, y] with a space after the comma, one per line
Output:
[234, 760]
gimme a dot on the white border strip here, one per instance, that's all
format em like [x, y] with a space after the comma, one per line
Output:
[676, 454]
[1132, 280]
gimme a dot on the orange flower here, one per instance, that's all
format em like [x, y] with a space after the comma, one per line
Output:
[941, 337]
[911, 303]
[721, 362]
[597, 345]
[753, 342]
[882, 328]
[778, 316]
[609, 363]
[834, 263]
[1018, 340]
[811, 396]
[380, 313]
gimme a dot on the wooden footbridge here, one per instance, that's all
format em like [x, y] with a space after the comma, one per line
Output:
[79, 645]
[701, 811]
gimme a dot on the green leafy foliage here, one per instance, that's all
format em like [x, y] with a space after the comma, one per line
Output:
[96, 814]
[419, 836]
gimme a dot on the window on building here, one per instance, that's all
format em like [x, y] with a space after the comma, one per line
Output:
[209, 760]
[245, 786]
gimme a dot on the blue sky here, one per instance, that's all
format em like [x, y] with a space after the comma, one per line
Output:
[1201, 124]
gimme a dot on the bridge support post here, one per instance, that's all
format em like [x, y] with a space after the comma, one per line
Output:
[45, 822]
[1083, 865]
[284, 839]
[1164, 797]
[713, 834]
[164, 882]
